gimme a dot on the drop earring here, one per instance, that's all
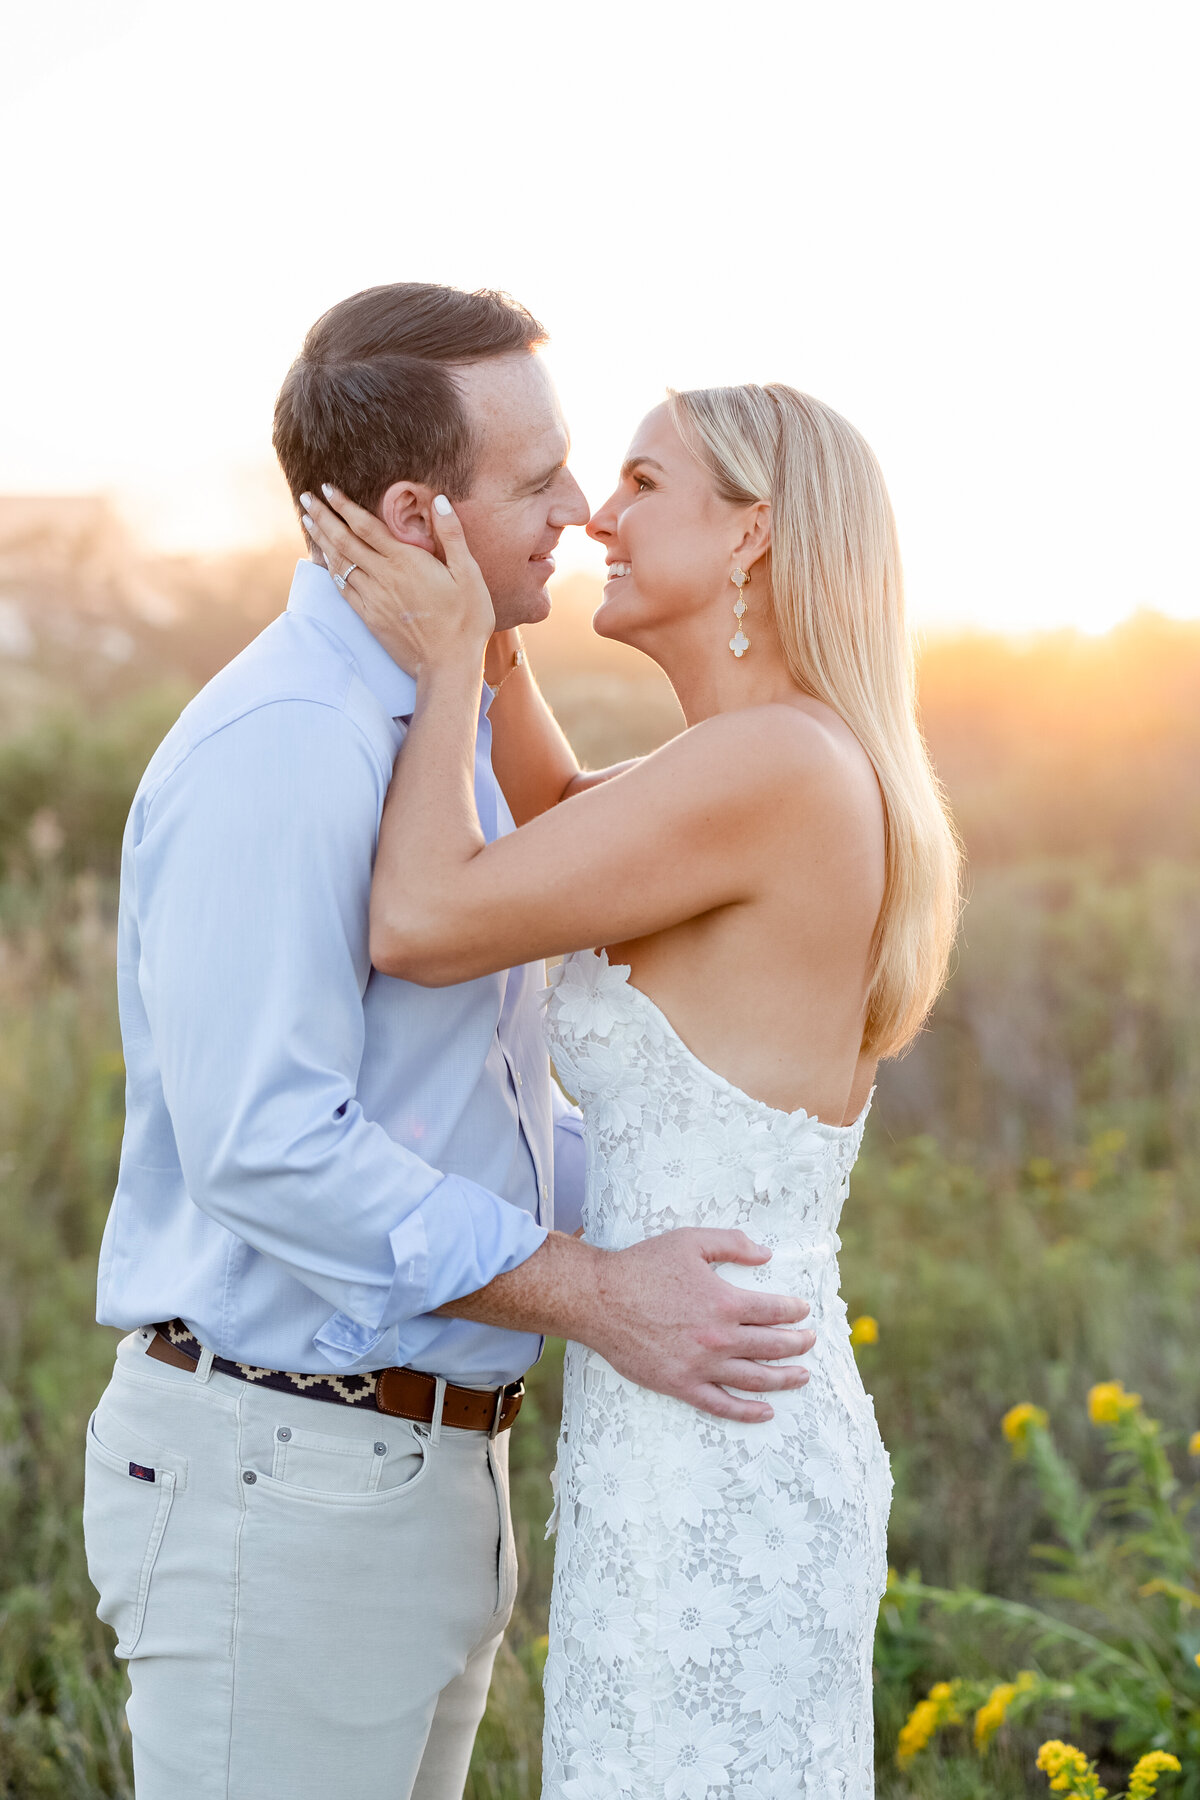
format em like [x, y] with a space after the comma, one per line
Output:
[739, 643]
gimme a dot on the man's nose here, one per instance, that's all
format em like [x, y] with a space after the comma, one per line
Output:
[572, 507]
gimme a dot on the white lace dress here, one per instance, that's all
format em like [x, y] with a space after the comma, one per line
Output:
[715, 1585]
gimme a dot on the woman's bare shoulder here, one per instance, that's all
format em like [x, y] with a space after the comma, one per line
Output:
[801, 751]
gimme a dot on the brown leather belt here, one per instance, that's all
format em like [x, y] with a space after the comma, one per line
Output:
[401, 1393]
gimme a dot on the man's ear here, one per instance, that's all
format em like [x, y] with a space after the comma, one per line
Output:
[405, 510]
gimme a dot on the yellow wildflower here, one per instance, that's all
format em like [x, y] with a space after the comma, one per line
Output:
[1108, 1403]
[1017, 1423]
[864, 1330]
[991, 1714]
[1144, 1779]
[916, 1731]
[1069, 1768]
[940, 1707]
[1194, 1444]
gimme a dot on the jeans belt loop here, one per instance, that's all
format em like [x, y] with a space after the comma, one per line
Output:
[439, 1402]
[204, 1366]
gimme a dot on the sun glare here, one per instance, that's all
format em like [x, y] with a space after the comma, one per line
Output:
[1011, 333]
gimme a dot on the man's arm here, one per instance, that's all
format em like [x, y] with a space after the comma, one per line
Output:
[659, 1313]
[253, 871]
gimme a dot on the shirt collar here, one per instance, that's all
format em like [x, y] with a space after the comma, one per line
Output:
[314, 595]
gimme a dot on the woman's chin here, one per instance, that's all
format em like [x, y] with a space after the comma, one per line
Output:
[608, 621]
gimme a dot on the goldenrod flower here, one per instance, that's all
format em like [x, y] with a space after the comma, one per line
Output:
[991, 1714]
[1069, 1768]
[1108, 1403]
[1017, 1423]
[1194, 1444]
[1144, 1780]
[864, 1330]
[940, 1707]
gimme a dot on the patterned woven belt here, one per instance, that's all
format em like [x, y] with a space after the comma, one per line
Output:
[401, 1393]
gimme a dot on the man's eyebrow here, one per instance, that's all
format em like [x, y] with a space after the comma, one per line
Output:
[640, 462]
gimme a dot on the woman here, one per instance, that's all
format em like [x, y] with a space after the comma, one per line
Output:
[751, 917]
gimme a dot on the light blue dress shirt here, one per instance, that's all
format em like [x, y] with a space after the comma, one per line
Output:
[316, 1156]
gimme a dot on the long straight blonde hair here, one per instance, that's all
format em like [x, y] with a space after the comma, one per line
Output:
[838, 600]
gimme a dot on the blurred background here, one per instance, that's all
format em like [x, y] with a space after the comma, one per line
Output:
[968, 229]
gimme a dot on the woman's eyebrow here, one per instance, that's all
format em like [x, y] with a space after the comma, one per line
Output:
[640, 462]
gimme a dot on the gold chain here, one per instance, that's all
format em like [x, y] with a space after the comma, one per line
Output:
[518, 659]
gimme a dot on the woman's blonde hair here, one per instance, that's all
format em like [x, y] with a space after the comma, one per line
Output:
[838, 600]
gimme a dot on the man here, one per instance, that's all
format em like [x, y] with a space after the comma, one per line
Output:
[333, 1242]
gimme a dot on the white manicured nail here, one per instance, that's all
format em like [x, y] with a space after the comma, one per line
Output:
[306, 499]
[309, 524]
[327, 490]
[442, 505]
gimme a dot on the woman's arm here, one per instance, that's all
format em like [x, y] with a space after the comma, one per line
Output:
[534, 764]
[675, 835]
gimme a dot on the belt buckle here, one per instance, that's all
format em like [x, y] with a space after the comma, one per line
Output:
[513, 1391]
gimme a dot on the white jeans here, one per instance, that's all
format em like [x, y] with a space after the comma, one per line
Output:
[310, 1597]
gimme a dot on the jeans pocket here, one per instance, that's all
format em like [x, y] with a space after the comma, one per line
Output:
[327, 1464]
[126, 1505]
[342, 1470]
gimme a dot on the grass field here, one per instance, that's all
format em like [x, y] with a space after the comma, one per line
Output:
[1024, 1223]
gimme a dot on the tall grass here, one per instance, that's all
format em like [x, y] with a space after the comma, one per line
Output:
[995, 1278]
[1023, 1223]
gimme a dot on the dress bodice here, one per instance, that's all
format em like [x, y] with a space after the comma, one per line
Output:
[673, 1143]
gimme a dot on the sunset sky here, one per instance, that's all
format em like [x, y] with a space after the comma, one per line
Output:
[969, 228]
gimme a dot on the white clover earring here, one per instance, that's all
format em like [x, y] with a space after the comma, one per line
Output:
[739, 643]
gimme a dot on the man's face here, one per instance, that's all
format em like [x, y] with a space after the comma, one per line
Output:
[522, 495]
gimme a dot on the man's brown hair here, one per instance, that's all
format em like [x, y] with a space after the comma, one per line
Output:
[370, 399]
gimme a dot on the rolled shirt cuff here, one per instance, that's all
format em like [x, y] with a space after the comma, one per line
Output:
[455, 1242]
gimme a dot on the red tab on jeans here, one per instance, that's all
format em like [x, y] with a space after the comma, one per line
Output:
[140, 1470]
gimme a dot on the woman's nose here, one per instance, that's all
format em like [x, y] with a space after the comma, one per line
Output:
[602, 522]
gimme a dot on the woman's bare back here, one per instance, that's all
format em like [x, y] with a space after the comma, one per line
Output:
[771, 992]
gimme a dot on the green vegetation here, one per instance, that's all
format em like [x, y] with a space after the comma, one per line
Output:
[1023, 1225]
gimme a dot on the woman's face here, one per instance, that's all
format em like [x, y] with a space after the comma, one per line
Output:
[671, 541]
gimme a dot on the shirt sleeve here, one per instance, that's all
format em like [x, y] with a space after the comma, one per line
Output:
[569, 1162]
[253, 874]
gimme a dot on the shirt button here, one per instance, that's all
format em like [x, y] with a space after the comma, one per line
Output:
[249, 1477]
[545, 1192]
[520, 1079]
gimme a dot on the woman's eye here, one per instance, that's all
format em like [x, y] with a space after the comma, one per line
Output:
[642, 484]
